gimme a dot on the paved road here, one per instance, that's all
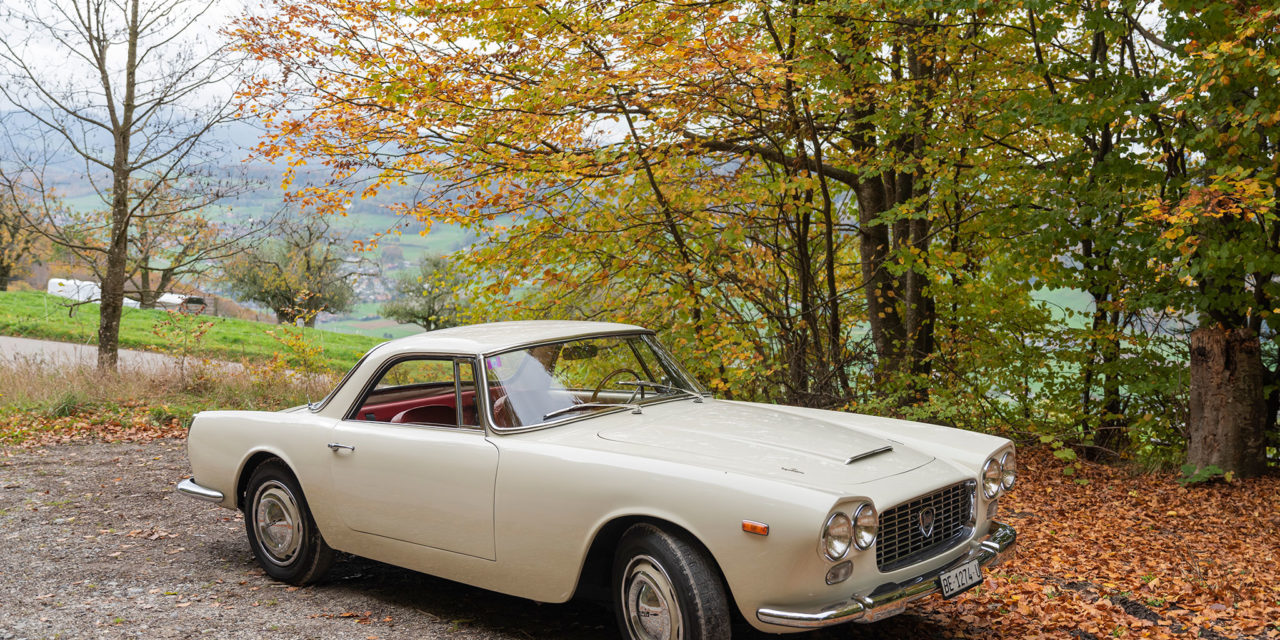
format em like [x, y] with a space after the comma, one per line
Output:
[70, 354]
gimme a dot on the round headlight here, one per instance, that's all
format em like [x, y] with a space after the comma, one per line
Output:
[866, 524]
[1009, 470]
[992, 477]
[837, 536]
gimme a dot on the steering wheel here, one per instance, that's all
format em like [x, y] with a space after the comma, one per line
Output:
[612, 374]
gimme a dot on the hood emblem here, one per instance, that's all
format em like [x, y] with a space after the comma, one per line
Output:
[927, 518]
[868, 454]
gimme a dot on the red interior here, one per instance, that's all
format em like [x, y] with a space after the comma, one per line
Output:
[389, 411]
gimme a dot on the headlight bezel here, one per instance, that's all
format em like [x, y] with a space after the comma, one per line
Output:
[836, 553]
[992, 478]
[865, 510]
[1008, 470]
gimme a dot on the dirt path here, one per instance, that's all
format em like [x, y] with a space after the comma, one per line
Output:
[94, 543]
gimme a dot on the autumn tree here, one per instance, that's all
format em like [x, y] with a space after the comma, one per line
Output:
[730, 170]
[427, 297]
[817, 199]
[133, 95]
[304, 267]
[1099, 149]
[1222, 228]
[17, 237]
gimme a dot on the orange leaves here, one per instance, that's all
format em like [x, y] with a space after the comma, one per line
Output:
[130, 424]
[1109, 559]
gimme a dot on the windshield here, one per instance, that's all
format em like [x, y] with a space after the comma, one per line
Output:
[564, 380]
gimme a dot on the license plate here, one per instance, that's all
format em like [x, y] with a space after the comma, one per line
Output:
[960, 579]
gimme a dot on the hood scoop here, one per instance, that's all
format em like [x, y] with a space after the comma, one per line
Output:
[867, 454]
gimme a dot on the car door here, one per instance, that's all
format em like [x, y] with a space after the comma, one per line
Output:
[411, 462]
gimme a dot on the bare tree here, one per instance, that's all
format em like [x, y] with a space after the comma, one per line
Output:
[170, 243]
[132, 96]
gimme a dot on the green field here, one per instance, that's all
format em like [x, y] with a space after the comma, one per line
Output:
[381, 328]
[32, 314]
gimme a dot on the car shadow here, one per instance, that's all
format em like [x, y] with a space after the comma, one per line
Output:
[496, 615]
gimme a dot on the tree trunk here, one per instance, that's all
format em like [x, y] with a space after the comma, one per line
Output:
[111, 306]
[146, 297]
[1226, 427]
[112, 302]
[6, 271]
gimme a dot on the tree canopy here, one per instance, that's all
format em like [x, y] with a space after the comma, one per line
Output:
[304, 268]
[846, 204]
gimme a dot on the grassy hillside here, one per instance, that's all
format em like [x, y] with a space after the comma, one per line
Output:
[34, 314]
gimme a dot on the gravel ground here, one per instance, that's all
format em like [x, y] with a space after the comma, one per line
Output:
[94, 543]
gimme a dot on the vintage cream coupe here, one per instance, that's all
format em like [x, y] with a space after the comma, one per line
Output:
[548, 459]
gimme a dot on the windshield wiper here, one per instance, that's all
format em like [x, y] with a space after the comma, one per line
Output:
[635, 408]
[697, 397]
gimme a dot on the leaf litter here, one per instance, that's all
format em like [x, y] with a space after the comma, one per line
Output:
[1103, 553]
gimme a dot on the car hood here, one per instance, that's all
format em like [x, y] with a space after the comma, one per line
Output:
[761, 440]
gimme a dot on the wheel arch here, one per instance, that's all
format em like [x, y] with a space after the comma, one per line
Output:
[251, 463]
[597, 567]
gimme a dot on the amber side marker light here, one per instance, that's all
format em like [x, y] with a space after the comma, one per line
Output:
[758, 528]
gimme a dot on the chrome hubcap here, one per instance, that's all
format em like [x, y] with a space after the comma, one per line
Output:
[649, 601]
[277, 521]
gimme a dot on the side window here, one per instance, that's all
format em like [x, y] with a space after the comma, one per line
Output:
[417, 372]
[427, 391]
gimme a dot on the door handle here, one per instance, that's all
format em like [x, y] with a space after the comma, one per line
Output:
[333, 446]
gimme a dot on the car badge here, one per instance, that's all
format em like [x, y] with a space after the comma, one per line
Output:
[927, 518]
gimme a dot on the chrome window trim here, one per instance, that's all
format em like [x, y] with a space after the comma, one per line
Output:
[670, 360]
[320, 406]
[349, 416]
[581, 336]
[417, 425]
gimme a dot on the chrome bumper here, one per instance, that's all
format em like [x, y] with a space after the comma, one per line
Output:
[892, 598]
[189, 487]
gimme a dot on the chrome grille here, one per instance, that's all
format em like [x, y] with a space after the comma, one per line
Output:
[902, 542]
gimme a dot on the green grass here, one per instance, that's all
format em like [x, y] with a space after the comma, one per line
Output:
[33, 314]
[364, 320]
[379, 328]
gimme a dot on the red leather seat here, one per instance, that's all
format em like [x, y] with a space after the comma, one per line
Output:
[502, 413]
[430, 414]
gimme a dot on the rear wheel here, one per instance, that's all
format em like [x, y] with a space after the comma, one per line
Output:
[665, 588]
[281, 532]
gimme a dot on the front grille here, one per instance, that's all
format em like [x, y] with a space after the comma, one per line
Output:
[902, 542]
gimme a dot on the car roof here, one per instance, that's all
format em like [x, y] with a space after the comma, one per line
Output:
[480, 339]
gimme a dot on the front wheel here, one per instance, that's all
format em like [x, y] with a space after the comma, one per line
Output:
[665, 588]
[282, 534]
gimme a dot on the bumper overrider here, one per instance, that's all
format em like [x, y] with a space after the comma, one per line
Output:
[892, 598]
[189, 488]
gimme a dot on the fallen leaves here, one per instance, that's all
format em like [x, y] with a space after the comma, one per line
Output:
[365, 617]
[114, 424]
[152, 533]
[1127, 556]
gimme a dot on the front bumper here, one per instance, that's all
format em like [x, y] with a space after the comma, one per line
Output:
[892, 598]
[189, 487]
